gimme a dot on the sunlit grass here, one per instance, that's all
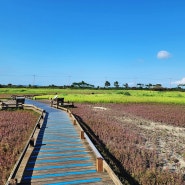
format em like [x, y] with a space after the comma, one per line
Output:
[101, 95]
[114, 97]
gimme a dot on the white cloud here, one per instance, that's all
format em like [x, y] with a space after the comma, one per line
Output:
[163, 54]
[182, 81]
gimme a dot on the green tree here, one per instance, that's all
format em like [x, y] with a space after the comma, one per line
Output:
[125, 85]
[107, 84]
[116, 84]
[181, 85]
[82, 84]
[140, 85]
[148, 85]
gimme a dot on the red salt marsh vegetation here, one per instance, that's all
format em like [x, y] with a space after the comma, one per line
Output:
[15, 129]
[144, 143]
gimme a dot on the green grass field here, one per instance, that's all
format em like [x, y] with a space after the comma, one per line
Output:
[100, 96]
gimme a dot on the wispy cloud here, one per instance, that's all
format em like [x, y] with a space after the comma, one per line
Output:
[182, 81]
[163, 54]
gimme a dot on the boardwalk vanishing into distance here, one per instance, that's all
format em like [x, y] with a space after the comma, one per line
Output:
[60, 156]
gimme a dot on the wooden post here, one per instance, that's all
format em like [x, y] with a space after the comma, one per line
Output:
[38, 125]
[82, 135]
[99, 164]
[74, 122]
[57, 104]
[32, 142]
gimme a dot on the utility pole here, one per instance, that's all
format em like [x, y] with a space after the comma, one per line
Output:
[34, 80]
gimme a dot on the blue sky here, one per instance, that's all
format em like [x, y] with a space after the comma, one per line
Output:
[59, 42]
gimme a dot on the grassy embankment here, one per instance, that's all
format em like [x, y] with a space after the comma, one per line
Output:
[100, 96]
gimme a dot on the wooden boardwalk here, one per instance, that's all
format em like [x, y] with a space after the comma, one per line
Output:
[60, 157]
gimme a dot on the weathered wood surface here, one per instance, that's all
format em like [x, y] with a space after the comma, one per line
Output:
[10, 104]
[60, 156]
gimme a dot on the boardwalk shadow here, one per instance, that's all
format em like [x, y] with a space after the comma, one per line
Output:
[28, 171]
[112, 161]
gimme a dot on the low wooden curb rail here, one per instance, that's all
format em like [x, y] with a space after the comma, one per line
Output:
[101, 164]
[30, 142]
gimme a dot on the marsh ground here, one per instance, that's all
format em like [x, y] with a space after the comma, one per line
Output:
[148, 139]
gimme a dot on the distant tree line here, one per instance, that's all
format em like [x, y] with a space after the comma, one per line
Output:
[150, 86]
[107, 85]
[138, 86]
